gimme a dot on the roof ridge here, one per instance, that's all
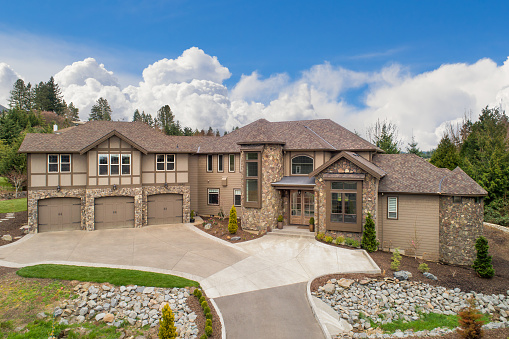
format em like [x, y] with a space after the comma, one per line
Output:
[319, 136]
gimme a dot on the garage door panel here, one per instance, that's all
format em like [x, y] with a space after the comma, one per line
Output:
[114, 212]
[164, 209]
[59, 214]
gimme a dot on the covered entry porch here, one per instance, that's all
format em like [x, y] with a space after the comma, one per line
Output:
[298, 197]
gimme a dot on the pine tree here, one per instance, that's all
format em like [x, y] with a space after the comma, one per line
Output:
[385, 136]
[167, 329]
[21, 96]
[137, 115]
[470, 323]
[210, 132]
[54, 97]
[446, 155]
[41, 97]
[73, 112]
[165, 117]
[101, 110]
[369, 241]
[232, 221]
[482, 263]
[188, 131]
[413, 149]
[217, 133]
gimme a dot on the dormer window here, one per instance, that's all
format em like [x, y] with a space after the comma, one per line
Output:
[302, 164]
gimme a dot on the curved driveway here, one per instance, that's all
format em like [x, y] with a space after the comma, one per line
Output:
[235, 275]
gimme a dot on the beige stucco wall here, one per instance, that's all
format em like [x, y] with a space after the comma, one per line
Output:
[41, 178]
[418, 221]
[150, 176]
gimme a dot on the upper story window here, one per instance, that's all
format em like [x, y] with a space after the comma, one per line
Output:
[114, 164]
[165, 162]
[252, 177]
[231, 163]
[209, 163]
[302, 164]
[392, 207]
[59, 163]
[220, 163]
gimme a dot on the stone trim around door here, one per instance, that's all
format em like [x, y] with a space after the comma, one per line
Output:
[186, 199]
[34, 196]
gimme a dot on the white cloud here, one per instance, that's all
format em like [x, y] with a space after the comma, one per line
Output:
[79, 71]
[7, 78]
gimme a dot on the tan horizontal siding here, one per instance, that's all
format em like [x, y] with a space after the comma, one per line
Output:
[417, 220]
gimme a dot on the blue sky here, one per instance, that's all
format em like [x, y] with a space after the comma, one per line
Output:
[282, 40]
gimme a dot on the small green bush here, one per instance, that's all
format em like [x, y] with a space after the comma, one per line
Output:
[339, 240]
[167, 329]
[396, 259]
[320, 236]
[311, 221]
[423, 267]
[329, 239]
[356, 244]
[202, 299]
[197, 293]
[208, 331]
[349, 241]
[192, 214]
[204, 304]
[206, 310]
[369, 242]
[482, 263]
[203, 336]
[208, 316]
[232, 222]
[280, 218]
[208, 322]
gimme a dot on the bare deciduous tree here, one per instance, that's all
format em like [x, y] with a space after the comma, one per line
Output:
[17, 179]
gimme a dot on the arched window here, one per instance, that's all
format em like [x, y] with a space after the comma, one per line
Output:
[302, 165]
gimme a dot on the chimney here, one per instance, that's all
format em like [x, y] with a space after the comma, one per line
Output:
[55, 127]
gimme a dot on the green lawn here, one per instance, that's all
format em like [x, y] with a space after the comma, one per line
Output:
[100, 274]
[13, 205]
[5, 185]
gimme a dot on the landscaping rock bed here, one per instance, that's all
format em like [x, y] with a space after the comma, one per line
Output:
[385, 300]
[218, 227]
[11, 226]
[137, 305]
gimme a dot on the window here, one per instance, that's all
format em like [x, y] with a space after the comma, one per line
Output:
[209, 163]
[392, 207]
[165, 162]
[114, 164]
[302, 165]
[220, 163]
[252, 180]
[456, 200]
[231, 163]
[478, 200]
[53, 163]
[237, 197]
[103, 164]
[65, 163]
[213, 196]
[126, 164]
[344, 202]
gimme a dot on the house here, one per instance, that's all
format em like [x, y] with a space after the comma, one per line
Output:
[125, 174]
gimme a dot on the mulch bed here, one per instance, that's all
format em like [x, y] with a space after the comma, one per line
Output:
[219, 229]
[12, 226]
[194, 304]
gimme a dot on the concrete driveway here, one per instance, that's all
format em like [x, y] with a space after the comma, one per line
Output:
[257, 269]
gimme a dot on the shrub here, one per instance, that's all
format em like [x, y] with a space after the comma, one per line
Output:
[167, 329]
[311, 221]
[204, 304]
[203, 336]
[329, 239]
[356, 244]
[197, 293]
[232, 222]
[208, 316]
[482, 263]
[320, 236]
[423, 267]
[369, 242]
[208, 322]
[208, 330]
[192, 214]
[349, 241]
[206, 310]
[202, 299]
[339, 240]
[280, 218]
[396, 259]
[470, 324]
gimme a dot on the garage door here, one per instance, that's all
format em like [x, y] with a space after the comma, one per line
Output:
[59, 214]
[114, 212]
[164, 209]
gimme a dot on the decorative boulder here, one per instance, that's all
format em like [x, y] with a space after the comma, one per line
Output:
[430, 276]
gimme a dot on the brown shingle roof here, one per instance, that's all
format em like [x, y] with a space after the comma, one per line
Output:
[409, 173]
[357, 160]
[80, 137]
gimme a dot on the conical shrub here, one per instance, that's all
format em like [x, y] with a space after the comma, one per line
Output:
[369, 242]
[167, 329]
[232, 222]
[482, 263]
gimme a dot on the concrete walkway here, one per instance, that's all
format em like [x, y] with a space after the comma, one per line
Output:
[262, 267]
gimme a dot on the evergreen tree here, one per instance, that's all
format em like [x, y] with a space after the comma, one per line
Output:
[188, 131]
[482, 263]
[54, 97]
[369, 241]
[217, 133]
[385, 135]
[137, 115]
[446, 155]
[164, 118]
[210, 132]
[147, 118]
[21, 96]
[167, 329]
[232, 221]
[72, 112]
[413, 149]
[101, 110]
[41, 97]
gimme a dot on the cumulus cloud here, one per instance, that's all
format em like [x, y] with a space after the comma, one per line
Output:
[192, 84]
[7, 78]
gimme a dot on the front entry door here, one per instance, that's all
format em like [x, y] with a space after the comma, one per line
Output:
[302, 206]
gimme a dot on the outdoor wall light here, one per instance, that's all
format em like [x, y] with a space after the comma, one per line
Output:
[58, 188]
[165, 185]
[115, 187]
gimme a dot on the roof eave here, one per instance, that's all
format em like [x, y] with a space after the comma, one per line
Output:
[109, 135]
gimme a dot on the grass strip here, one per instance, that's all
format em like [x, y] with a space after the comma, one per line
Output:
[13, 205]
[428, 321]
[113, 276]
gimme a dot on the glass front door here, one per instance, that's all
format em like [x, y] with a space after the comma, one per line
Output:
[302, 207]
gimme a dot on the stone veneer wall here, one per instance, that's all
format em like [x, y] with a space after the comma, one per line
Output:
[34, 196]
[186, 199]
[88, 197]
[272, 202]
[369, 193]
[460, 225]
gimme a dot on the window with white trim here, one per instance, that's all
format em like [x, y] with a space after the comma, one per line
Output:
[220, 163]
[103, 164]
[392, 207]
[170, 162]
[231, 163]
[114, 164]
[65, 163]
[126, 164]
[59, 163]
[165, 162]
[237, 197]
[53, 163]
[209, 163]
[213, 196]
